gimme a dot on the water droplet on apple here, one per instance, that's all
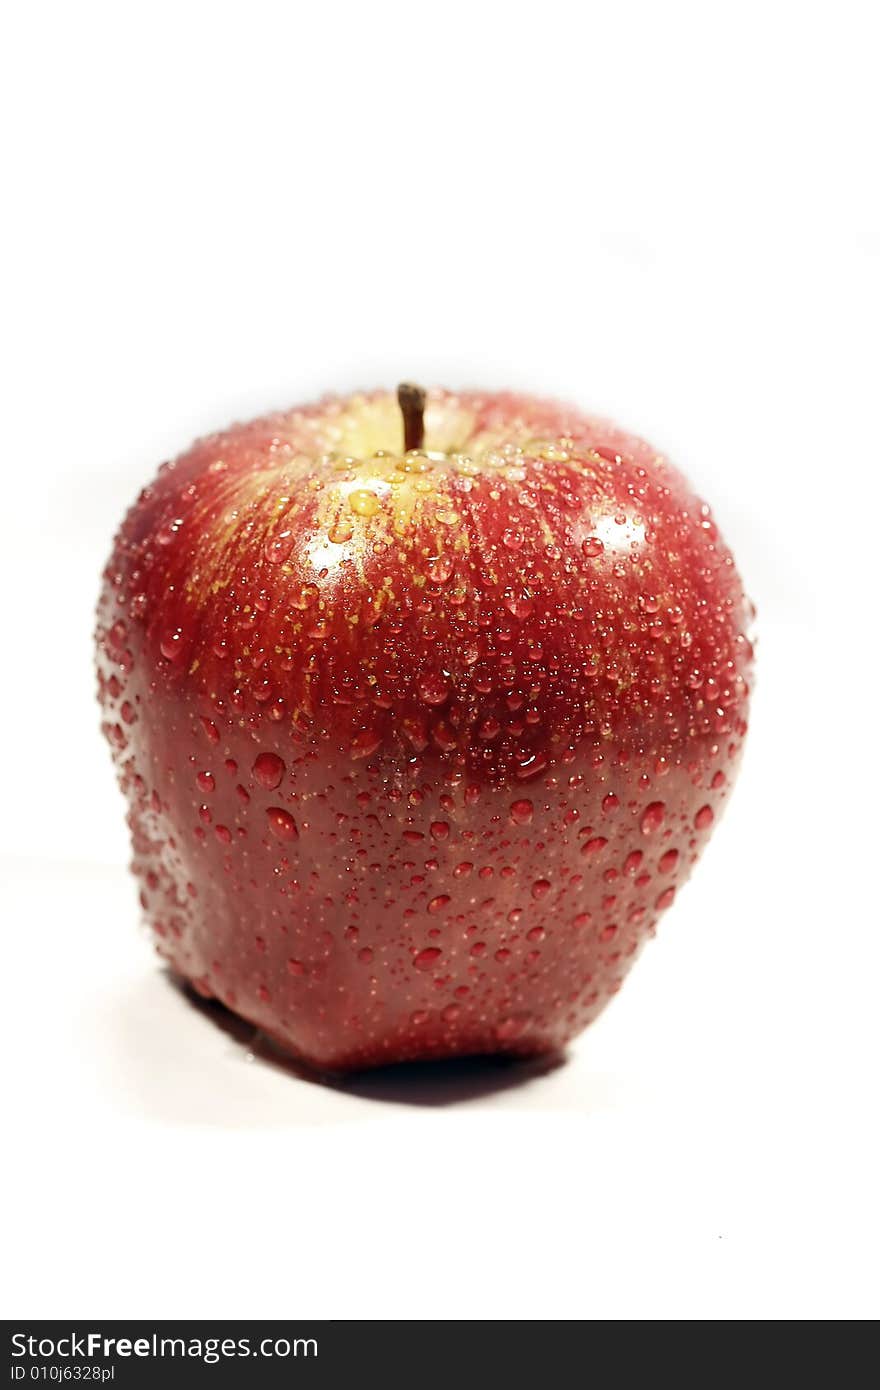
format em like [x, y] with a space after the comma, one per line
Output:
[165, 535]
[440, 569]
[414, 730]
[423, 960]
[653, 816]
[268, 770]
[521, 812]
[513, 1026]
[531, 766]
[704, 818]
[278, 548]
[433, 689]
[281, 823]
[365, 743]
[171, 644]
[363, 502]
[519, 607]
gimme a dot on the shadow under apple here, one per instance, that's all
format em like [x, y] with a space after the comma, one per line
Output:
[425, 1083]
[182, 1060]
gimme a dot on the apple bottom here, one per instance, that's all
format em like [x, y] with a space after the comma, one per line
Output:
[369, 911]
[475, 975]
[426, 1044]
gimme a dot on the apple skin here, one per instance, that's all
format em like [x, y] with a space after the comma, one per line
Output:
[418, 748]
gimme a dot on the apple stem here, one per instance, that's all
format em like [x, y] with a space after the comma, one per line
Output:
[411, 400]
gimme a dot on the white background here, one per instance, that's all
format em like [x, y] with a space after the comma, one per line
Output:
[666, 213]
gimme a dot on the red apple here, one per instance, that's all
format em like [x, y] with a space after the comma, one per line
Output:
[418, 746]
